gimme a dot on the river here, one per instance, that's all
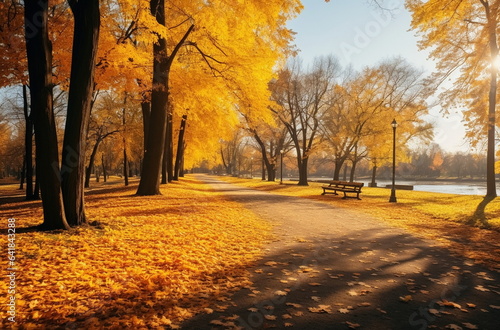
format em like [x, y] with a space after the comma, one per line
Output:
[449, 187]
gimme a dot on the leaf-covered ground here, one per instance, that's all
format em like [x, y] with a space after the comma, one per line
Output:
[332, 267]
[468, 225]
[149, 262]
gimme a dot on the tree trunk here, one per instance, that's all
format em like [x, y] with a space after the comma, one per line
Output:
[374, 176]
[39, 54]
[336, 170]
[104, 173]
[85, 40]
[164, 161]
[36, 189]
[180, 148]
[146, 113]
[152, 163]
[28, 147]
[22, 174]
[181, 170]
[155, 140]
[88, 171]
[339, 162]
[125, 166]
[270, 167]
[271, 172]
[353, 171]
[303, 172]
[263, 174]
[169, 140]
[125, 158]
[491, 190]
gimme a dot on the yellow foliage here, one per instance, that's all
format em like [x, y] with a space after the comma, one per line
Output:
[457, 33]
[153, 261]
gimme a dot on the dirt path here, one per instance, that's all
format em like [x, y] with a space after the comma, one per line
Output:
[332, 268]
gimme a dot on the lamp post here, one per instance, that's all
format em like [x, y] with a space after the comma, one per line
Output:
[281, 166]
[393, 199]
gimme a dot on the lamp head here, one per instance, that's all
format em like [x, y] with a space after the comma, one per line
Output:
[394, 124]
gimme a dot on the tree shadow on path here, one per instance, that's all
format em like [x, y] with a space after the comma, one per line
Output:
[479, 218]
[367, 278]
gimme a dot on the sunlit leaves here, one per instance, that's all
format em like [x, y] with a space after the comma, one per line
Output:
[457, 35]
[155, 262]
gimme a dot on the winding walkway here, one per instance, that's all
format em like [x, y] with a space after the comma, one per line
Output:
[335, 268]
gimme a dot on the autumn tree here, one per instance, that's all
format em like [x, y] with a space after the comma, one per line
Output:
[155, 140]
[39, 57]
[13, 71]
[462, 37]
[13, 68]
[302, 100]
[5, 138]
[226, 62]
[229, 151]
[86, 17]
[358, 123]
[181, 145]
[103, 124]
[271, 138]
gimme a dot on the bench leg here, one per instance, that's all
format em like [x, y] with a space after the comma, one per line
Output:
[346, 197]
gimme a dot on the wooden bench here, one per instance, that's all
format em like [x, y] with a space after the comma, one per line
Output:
[346, 187]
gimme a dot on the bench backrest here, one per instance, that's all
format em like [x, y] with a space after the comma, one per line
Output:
[346, 183]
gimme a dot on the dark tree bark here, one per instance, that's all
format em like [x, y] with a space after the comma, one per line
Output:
[169, 145]
[28, 147]
[36, 190]
[373, 182]
[182, 170]
[146, 113]
[125, 157]
[88, 171]
[89, 168]
[125, 166]
[22, 174]
[228, 165]
[302, 165]
[263, 173]
[85, 39]
[155, 141]
[104, 172]
[180, 148]
[95, 148]
[339, 163]
[353, 171]
[164, 161]
[167, 167]
[270, 166]
[491, 189]
[39, 53]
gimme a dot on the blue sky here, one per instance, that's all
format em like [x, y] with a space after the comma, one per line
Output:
[360, 34]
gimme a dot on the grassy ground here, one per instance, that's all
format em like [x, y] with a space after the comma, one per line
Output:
[150, 262]
[468, 225]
